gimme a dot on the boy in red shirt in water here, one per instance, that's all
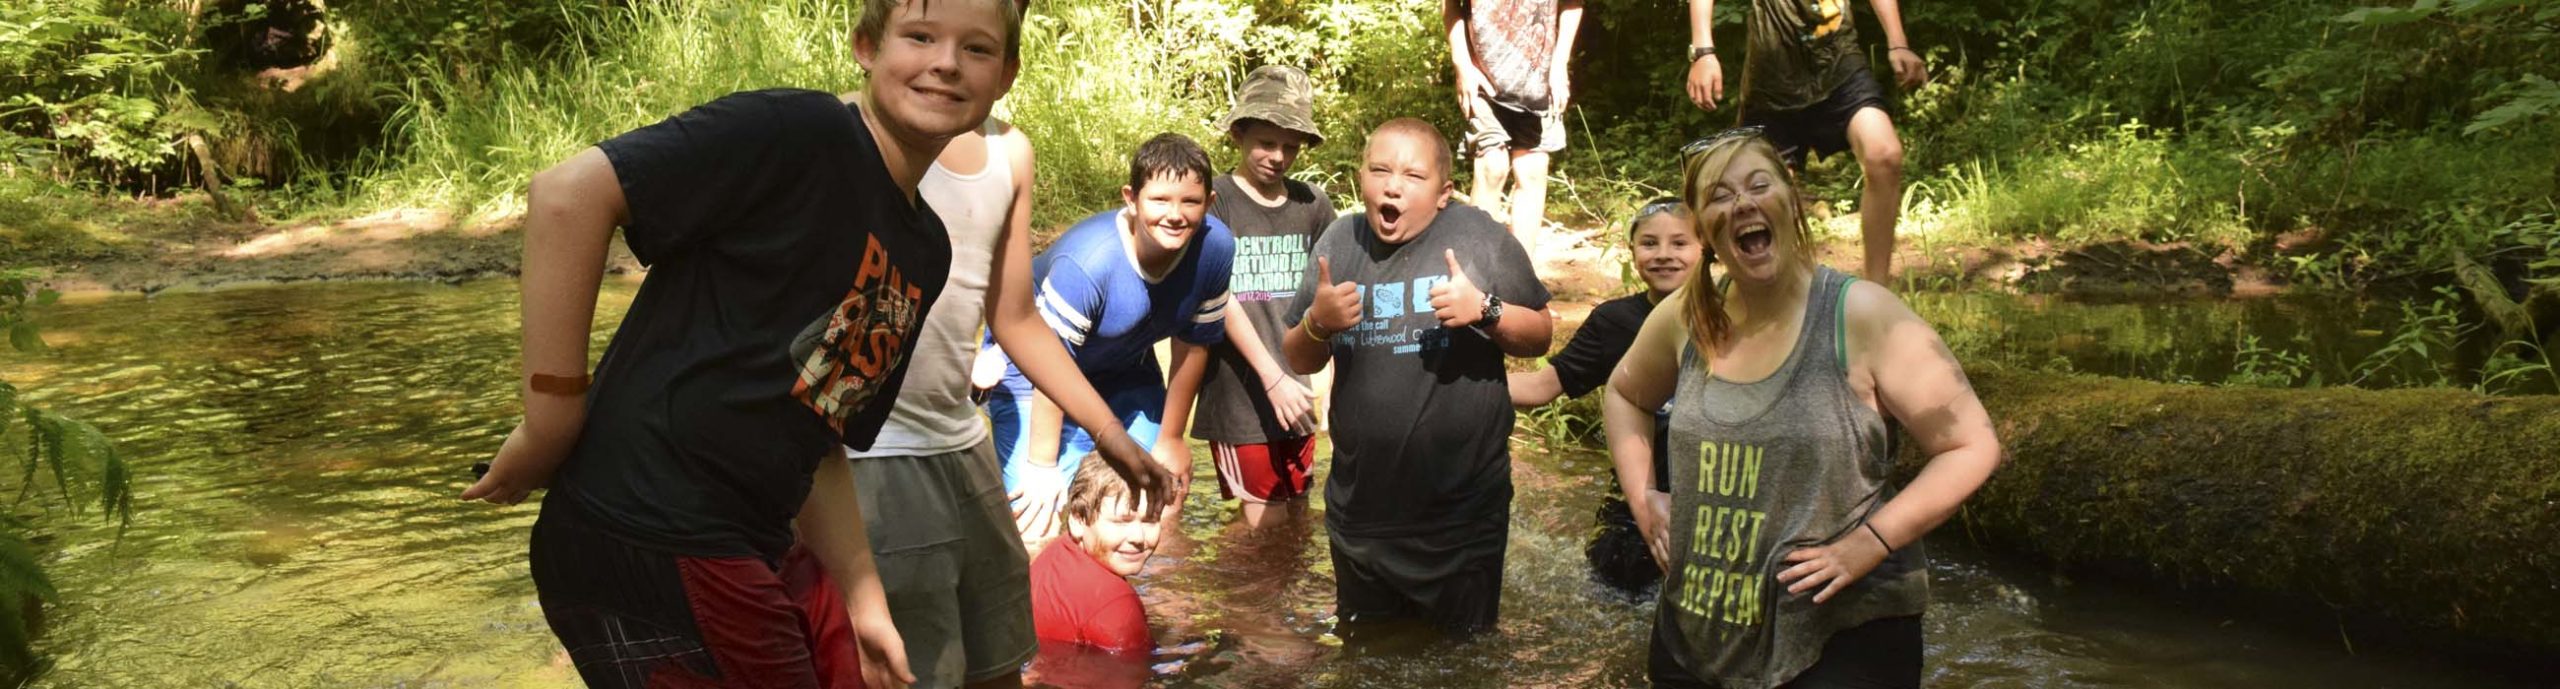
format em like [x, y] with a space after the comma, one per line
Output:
[1080, 592]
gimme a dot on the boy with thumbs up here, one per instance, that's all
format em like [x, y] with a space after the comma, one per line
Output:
[1416, 301]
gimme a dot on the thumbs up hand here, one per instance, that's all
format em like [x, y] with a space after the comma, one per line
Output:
[1337, 305]
[1457, 303]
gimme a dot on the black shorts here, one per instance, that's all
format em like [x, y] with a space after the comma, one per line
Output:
[1822, 128]
[1882, 654]
[1384, 583]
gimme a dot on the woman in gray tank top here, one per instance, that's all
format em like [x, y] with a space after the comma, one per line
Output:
[1788, 558]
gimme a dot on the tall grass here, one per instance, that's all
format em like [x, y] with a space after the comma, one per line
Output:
[1097, 79]
[473, 145]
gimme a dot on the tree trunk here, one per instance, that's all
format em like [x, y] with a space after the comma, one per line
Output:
[2434, 508]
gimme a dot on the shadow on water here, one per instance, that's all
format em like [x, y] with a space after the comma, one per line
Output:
[298, 447]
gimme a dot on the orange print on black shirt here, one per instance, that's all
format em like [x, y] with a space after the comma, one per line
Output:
[846, 355]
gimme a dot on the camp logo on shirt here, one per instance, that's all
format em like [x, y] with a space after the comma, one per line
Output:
[1389, 302]
[845, 355]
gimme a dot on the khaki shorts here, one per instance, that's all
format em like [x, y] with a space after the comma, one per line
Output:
[958, 581]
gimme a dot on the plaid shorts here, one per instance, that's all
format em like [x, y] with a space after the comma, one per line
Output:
[634, 617]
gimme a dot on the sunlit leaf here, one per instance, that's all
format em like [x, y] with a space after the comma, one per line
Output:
[2534, 97]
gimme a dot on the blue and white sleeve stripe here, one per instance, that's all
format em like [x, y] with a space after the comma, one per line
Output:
[1071, 324]
[1212, 310]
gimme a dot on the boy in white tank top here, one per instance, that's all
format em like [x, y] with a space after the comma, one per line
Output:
[952, 560]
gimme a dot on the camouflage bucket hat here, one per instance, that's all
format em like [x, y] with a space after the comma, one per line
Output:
[1279, 95]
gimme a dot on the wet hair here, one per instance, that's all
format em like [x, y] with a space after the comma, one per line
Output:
[1704, 313]
[1095, 483]
[1658, 207]
[1416, 128]
[874, 22]
[1168, 156]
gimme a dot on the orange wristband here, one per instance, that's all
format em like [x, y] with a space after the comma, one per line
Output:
[557, 385]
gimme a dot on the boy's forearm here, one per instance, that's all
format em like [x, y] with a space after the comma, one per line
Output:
[1568, 25]
[1702, 19]
[1889, 16]
[1182, 388]
[1046, 422]
[831, 528]
[572, 210]
[1454, 22]
[1306, 354]
[1247, 339]
[1531, 389]
[1523, 332]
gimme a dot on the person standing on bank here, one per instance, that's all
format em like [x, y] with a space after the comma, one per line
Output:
[1417, 301]
[1805, 79]
[1513, 85]
[1253, 411]
[1788, 557]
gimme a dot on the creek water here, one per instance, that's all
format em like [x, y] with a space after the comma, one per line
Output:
[297, 450]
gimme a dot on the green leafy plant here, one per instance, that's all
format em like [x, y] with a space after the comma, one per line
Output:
[2264, 367]
[84, 471]
[2414, 356]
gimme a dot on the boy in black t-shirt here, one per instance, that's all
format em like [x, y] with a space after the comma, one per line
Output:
[791, 264]
[1431, 297]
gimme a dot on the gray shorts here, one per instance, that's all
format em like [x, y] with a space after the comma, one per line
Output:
[958, 581]
[1498, 127]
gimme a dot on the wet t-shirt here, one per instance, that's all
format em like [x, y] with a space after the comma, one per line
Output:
[1271, 259]
[1799, 52]
[788, 275]
[1076, 600]
[1421, 417]
[1760, 469]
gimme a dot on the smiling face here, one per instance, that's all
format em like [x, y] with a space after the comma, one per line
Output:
[1666, 249]
[1750, 215]
[1118, 537]
[1404, 182]
[1166, 213]
[937, 67]
[1269, 151]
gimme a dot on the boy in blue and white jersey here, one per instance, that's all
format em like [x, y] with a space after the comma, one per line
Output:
[1112, 286]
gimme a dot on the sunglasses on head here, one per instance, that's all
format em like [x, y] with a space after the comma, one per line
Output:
[1729, 135]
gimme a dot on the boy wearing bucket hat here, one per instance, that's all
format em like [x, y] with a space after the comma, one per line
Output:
[1254, 413]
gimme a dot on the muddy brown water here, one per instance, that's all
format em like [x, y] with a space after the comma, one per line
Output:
[298, 449]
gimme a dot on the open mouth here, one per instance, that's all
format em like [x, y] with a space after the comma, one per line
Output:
[1388, 213]
[1754, 241]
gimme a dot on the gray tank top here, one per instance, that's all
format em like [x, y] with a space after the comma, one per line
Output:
[1759, 469]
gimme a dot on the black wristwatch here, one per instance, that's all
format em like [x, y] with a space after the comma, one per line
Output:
[1699, 51]
[1492, 311]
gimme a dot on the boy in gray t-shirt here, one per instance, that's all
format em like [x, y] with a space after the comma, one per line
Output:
[1254, 412]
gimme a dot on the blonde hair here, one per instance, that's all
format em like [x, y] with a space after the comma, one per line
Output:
[1703, 312]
